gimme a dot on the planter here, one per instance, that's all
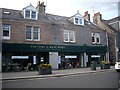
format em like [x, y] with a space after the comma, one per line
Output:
[44, 71]
[105, 66]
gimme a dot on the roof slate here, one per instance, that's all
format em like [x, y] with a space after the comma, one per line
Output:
[44, 18]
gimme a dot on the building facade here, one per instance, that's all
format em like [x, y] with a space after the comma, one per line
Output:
[111, 35]
[115, 23]
[31, 35]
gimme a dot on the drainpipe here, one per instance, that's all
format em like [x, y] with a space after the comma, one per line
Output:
[116, 48]
[107, 54]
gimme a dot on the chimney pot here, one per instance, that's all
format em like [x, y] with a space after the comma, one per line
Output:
[86, 13]
[87, 16]
[40, 7]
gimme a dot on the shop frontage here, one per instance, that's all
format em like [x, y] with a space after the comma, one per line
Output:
[16, 56]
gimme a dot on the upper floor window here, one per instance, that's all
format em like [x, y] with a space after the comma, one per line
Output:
[29, 33]
[33, 14]
[27, 14]
[69, 36]
[95, 38]
[6, 31]
[30, 12]
[36, 33]
[32, 33]
[78, 21]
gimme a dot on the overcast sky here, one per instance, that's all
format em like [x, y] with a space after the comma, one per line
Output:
[108, 8]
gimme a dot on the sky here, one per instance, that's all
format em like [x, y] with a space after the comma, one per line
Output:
[108, 8]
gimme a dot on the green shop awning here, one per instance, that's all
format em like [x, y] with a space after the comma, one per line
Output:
[19, 47]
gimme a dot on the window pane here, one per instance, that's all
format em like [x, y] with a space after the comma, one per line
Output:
[93, 38]
[33, 14]
[66, 36]
[6, 30]
[27, 14]
[98, 38]
[72, 36]
[80, 21]
[28, 32]
[36, 33]
[76, 20]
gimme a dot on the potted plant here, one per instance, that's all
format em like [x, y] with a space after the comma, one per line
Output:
[105, 65]
[44, 69]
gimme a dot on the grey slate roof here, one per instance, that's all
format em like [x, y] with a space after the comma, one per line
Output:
[45, 18]
[107, 23]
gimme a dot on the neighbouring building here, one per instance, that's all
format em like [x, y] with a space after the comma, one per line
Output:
[31, 35]
[115, 23]
[111, 35]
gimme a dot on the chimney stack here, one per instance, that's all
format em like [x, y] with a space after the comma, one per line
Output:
[97, 18]
[41, 7]
[87, 16]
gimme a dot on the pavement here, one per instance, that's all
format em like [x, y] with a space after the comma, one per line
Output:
[55, 73]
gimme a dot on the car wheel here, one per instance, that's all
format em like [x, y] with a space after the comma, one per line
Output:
[117, 70]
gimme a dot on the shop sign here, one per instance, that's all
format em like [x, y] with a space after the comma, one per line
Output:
[20, 57]
[70, 56]
[95, 56]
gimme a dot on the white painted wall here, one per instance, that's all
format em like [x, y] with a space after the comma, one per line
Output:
[54, 59]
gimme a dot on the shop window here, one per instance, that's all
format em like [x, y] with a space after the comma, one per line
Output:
[32, 33]
[69, 36]
[6, 31]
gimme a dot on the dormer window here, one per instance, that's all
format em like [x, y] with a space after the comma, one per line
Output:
[78, 21]
[33, 14]
[30, 12]
[27, 14]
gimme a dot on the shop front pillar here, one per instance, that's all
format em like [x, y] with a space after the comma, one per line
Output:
[85, 59]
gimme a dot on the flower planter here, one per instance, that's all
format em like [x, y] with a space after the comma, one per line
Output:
[45, 71]
[105, 66]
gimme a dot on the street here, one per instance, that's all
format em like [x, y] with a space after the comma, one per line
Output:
[107, 79]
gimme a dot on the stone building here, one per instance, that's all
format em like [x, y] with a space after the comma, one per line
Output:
[31, 35]
[115, 23]
[111, 35]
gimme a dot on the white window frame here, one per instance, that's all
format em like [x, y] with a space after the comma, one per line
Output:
[32, 34]
[38, 34]
[9, 29]
[36, 17]
[73, 32]
[93, 36]
[79, 22]
[68, 32]
[96, 36]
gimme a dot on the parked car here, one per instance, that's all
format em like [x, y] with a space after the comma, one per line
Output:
[117, 66]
